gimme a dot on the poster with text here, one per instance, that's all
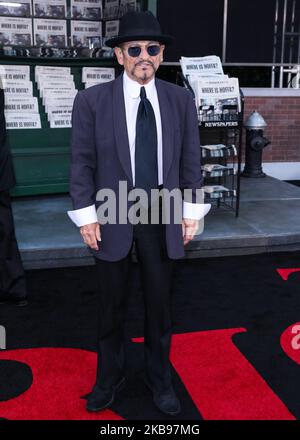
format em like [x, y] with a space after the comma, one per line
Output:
[15, 8]
[50, 33]
[16, 31]
[49, 8]
[85, 33]
[86, 9]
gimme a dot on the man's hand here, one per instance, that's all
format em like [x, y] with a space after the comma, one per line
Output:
[90, 234]
[189, 229]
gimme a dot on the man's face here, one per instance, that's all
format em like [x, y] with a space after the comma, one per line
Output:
[141, 68]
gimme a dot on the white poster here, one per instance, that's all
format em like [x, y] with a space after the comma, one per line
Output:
[16, 31]
[112, 28]
[22, 121]
[15, 8]
[14, 72]
[86, 9]
[50, 33]
[21, 104]
[84, 33]
[111, 9]
[49, 8]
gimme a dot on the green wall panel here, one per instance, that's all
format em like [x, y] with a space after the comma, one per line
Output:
[41, 156]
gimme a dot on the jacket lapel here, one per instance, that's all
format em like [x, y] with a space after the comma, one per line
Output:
[120, 127]
[167, 127]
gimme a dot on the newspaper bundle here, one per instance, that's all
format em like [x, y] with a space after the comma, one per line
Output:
[85, 33]
[112, 28]
[218, 150]
[20, 106]
[209, 65]
[50, 33]
[111, 9]
[49, 8]
[215, 93]
[15, 8]
[86, 9]
[216, 170]
[57, 90]
[126, 6]
[97, 75]
[218, 191]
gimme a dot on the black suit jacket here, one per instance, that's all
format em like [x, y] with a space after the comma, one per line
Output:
[7, 175]
[100, 156]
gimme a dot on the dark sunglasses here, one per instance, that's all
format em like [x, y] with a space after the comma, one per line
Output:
[135, 51]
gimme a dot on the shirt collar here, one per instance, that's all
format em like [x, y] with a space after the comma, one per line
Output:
[133, 88]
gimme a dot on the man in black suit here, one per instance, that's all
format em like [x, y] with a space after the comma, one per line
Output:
[142, 132]
[12, 277]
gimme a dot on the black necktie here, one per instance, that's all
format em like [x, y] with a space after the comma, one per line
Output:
[146, 169]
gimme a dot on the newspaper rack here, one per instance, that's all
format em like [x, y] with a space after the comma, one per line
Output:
[225, 127]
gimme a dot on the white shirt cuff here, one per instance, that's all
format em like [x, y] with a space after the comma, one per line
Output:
[84, 216]
[195, 211]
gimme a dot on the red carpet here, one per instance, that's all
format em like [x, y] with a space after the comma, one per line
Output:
[220, 371]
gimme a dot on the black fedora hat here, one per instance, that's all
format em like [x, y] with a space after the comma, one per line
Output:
[139, 26]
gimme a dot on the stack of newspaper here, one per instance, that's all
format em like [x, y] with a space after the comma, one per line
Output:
[97, 75]
[218, 191]
[21, 107]
[218, 150]
[57, 90]
[216, 170]
[215, 93]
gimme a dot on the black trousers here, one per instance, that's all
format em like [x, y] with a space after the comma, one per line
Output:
[156, 275]
[12, 277]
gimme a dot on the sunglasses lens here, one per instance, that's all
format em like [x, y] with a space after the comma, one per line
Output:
[153, 50]
[134, 51]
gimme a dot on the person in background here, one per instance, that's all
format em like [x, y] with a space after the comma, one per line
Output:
[13, 289]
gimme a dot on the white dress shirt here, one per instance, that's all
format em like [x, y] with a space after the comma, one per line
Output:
[132, 89]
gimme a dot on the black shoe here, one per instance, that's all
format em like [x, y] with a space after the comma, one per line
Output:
[99, 398]
[18, 302]
[166, 401]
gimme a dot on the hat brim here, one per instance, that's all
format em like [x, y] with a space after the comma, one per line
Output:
[164, 39]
